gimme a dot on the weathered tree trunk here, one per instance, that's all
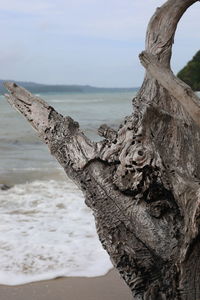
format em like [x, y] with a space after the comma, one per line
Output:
[143, 181]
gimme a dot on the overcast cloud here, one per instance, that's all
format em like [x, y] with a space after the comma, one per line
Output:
[93, 42]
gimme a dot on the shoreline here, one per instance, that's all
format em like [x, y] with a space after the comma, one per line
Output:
[108, 287]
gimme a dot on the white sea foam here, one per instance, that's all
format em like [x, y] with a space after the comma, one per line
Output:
[46, 231]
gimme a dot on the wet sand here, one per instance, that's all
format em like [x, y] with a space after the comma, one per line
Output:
[109, 287]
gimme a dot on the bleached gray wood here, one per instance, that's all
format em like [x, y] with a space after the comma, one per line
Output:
[143, 181]
[175, 87]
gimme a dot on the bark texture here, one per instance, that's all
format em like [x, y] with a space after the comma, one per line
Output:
[143, 181]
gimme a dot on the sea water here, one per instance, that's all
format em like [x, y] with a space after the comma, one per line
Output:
[46, 230]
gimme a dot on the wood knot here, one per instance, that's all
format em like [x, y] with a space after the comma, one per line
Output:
[107, 132]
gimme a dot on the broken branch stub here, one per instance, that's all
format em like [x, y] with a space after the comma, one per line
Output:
[143, 180]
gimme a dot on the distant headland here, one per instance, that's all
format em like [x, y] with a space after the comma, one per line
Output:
[45, 88]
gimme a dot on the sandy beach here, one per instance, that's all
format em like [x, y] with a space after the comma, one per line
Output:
[109, 287]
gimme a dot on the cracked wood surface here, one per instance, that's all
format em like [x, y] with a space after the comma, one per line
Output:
[176, 87]
[143, 180]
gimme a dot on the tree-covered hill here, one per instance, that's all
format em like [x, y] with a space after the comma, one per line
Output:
[190, 74]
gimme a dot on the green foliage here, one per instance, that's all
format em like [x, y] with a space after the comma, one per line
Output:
[190, 74]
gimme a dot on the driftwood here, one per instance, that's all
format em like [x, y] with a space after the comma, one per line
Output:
[143, 181]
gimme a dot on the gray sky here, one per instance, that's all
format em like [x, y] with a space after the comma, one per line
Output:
[94, 42]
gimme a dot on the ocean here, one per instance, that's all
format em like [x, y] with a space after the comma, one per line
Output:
[46, 230]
